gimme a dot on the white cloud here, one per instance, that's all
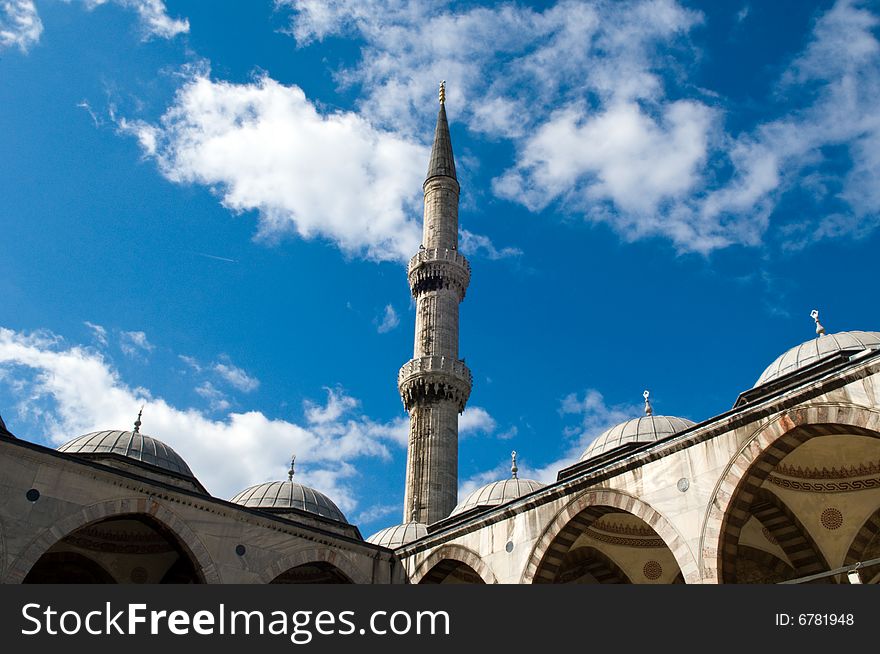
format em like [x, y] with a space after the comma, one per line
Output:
[20, 25]
[153, 15]
[71, 390]
[216, 398]
[389, 320]
[265, 147]
[475, 420]
[584, 90]
[475, 244]
[99, 332]
[236, 377]
[375, 512]
[134, 343]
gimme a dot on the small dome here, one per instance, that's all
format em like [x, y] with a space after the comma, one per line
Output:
[133, 445]
[813, 350]
[398, 535]
[498, 492]
[280, 495]
[646, 429]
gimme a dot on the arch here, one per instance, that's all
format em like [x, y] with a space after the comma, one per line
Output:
[772, 567]
[318, 572]
[317, 555]
[587, 507]
[131, 506]
[595, 562]
[459, 554]
[763, 450]
[78, 569]
[862, 539]
[794, 539]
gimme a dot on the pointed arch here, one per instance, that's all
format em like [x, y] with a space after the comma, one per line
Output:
[133, 506]
[580, 513]
[456, 553]
[728, 510]
[316, 555]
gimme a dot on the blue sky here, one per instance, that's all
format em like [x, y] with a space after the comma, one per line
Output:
[208, 207]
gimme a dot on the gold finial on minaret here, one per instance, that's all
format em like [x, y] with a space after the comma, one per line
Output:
[648, 409]
[443, 92]
[820, 330]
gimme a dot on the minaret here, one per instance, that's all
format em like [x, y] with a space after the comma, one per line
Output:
[435, 384]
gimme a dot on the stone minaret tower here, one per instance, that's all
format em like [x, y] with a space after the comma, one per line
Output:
[435, 383]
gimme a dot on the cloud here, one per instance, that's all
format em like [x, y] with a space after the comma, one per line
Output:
[64, 391]
[236, 377]
[216, 398]
[375, 512]
[265, 147]
[134, 343]
[477, 244]
[99, 332]
[613, 131]
[389, 320]
[475, 420]
[153, 15]
[20, 25]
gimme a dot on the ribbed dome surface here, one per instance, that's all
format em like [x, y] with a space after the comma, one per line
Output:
[806, 353]
[398, 535]
[646, 429]
[498, 492]
[289, 495]
[135, 446]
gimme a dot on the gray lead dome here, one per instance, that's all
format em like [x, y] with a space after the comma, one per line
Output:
[280, 495]
[498, 492]
[806, 353]
[398, 535]
[647, 429]
[137, 446]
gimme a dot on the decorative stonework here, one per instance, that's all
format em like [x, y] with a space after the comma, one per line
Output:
[831, 518]
[434, 378]
[97, 538]
[652, 570]
[625, 529]
[844, 472]
[840, 486]
[438, 268]
[626, 542]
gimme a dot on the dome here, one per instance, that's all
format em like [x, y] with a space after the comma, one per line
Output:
[498, 492]
[279, 495]
[133, 445]
[646, 429]
[398, 535]
[806, 353]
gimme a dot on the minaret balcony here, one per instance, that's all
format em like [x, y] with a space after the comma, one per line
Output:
[434, 378]
[438, 268]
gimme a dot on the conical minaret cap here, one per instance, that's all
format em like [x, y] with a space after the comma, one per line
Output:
[442, 162]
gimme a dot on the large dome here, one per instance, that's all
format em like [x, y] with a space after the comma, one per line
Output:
[280, 495]
[398, 535]
[813, 350]
[498, 492]
[133, 445]
[647, 429]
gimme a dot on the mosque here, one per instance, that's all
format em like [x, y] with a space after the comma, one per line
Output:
[782, 488]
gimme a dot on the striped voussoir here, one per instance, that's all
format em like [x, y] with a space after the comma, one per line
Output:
[551, 562]
[863, 539]
[582, 560]
[800, 548]
[769, 446]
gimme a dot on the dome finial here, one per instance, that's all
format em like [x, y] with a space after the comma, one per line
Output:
[291, 472]
[137, 422]
[443, 92]
[820, 330]
[415, 509]
[648, 409]
[513, 468]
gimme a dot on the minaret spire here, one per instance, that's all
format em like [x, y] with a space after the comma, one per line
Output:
[435, 384]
